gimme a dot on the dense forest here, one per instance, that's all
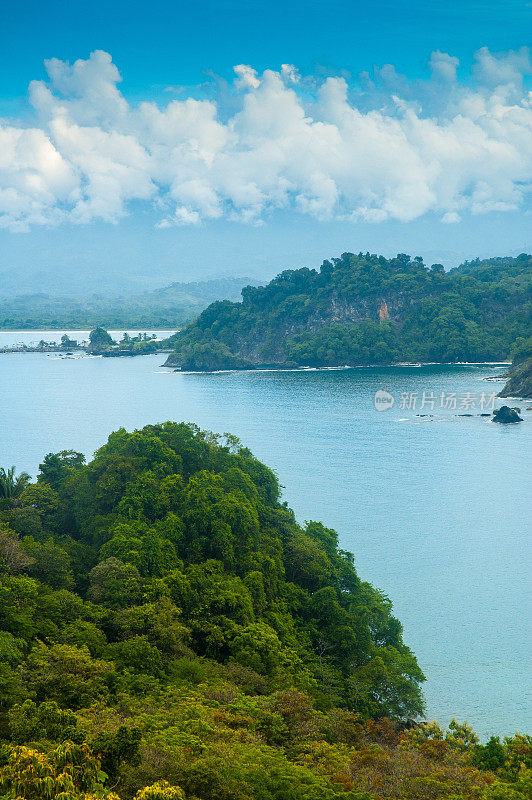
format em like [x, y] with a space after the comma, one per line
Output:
[168, 631]
[160, 308]
[366, 309]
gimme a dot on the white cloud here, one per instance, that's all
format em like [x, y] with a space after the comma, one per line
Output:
[182, 216]
[246, 77]
[443, 65]
[450, 217]
[503, 68]
[392, 150]
[289, 73]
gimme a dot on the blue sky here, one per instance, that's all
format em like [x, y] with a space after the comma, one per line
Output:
[157, 222]
[161, 43]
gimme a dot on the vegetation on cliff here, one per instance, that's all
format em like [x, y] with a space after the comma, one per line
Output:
[366, 309]
[168, 631]
[519, 383]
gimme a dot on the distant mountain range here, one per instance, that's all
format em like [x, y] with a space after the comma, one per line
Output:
[167, 307]
[366, 309]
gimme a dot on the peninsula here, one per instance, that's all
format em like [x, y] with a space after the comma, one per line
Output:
[365, 309]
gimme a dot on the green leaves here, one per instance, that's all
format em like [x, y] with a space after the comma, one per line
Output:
[178, 516]
[29, 722]
[114, 583]
[12, 485]
[210, 639]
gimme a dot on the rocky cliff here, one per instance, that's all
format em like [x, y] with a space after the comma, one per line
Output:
[519, 383]
[364, 309]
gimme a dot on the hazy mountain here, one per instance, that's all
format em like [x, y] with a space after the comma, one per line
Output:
[169, 306]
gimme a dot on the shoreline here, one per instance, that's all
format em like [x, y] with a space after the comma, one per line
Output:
[406, 365]
[61, 351]
[114, 353]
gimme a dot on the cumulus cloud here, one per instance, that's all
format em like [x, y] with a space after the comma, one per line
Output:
[444, 65]
[247, 77]
[379, 148]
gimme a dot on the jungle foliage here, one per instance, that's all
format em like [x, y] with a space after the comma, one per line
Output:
[169, 631]
[366, 309]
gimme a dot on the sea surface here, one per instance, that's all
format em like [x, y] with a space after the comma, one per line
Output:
[436, 509]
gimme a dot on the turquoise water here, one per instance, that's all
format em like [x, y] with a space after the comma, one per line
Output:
[435, 509]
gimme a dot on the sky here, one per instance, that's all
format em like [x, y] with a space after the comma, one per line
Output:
[144, 143]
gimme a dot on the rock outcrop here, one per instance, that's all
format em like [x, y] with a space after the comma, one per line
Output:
[506, 415]
[519, 383]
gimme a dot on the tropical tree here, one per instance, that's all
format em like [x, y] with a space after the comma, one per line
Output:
[100, 339]
[12, 485]
[70, 772]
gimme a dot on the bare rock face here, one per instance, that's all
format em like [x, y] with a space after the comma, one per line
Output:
[505, 415]
[384, 314]
[519, 382]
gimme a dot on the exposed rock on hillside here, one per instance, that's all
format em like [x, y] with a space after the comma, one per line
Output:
[519, 383]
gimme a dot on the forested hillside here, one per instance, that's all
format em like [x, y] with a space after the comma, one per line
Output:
[168, 631]
[366, 309]
[167, 307]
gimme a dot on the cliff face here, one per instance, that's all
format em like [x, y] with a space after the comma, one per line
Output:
[363, 310]
[267, 344]
[257, 343]
[519, 383]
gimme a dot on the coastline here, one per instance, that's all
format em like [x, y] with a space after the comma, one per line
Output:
[394, 365]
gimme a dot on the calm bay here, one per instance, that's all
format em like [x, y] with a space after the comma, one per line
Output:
[435, 508]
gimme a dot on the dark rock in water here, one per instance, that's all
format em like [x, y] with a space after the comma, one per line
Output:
[464, 415]
[484, 415]
[505, 414]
